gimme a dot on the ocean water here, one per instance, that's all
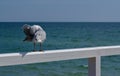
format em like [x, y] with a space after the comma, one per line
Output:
[61, 35]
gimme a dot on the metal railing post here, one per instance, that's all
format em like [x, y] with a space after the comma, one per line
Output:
[94, 66]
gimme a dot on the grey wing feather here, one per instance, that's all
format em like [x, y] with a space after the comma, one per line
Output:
[40, 35]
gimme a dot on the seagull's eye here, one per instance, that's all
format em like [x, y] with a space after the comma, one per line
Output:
[28, 27]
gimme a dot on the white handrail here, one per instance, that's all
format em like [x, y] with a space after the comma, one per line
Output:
[92, 53]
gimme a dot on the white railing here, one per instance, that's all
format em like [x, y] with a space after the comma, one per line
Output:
[93, 54]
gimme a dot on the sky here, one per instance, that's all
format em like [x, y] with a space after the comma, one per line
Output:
[60, 10]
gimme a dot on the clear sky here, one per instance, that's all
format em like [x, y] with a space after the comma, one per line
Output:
[60, 10]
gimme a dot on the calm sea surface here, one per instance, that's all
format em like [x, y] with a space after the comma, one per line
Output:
[61, 35]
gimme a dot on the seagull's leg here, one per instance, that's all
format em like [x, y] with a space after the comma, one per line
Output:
[40, 47]
[34, 46]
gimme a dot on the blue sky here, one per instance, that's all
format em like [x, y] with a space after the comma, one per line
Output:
[60, 10]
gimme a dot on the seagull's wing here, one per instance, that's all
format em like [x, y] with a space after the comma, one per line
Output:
[40, 36]
[35, 28]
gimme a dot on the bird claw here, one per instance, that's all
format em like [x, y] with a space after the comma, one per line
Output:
[34, 50]
[37, 51]
[41, 50]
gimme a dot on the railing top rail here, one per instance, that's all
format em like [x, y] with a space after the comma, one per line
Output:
[56, 55]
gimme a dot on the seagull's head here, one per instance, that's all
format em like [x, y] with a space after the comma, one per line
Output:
[26, 26]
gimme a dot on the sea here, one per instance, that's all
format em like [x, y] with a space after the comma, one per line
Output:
[61, 35]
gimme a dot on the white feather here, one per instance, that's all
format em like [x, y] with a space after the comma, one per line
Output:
[39, 33]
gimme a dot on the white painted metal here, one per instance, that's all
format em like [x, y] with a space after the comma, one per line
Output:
[93, 54]
[56, 55]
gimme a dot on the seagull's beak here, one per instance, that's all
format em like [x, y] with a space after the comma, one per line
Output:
[25, 39]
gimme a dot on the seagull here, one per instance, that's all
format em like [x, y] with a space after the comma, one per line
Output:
[34, 34]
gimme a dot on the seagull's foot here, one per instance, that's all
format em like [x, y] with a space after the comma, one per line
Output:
[34, 50]
[40, 50]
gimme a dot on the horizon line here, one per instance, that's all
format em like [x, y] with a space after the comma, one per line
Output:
[64, 21]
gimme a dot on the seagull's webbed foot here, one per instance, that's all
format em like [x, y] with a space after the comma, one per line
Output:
[40, 50]
[34, 50]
